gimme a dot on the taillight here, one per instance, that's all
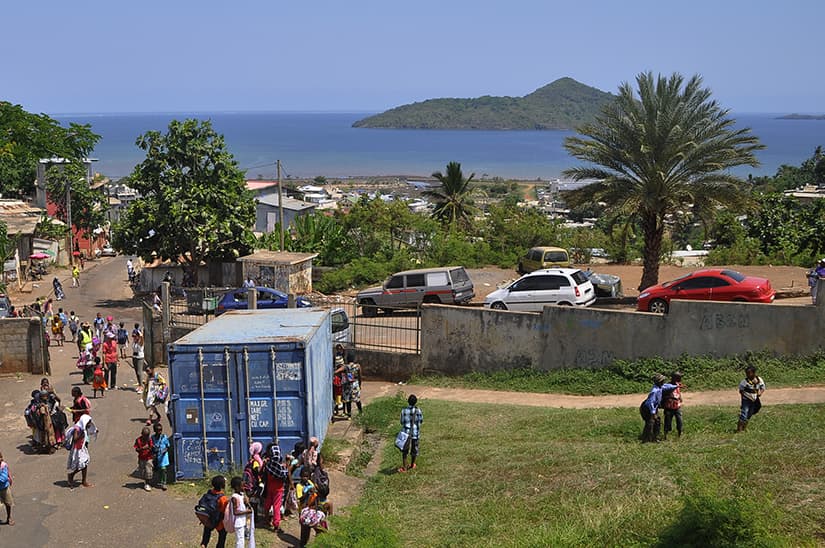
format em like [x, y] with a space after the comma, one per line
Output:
[578, 293]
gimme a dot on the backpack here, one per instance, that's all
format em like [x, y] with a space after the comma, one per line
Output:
[122, 336]
[250, 479]
[207, 511]
[275, 469]
[31, 415]
[321, 480]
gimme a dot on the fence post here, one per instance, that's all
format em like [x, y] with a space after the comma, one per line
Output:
[290, 300]
[252, 298]
[166, 313]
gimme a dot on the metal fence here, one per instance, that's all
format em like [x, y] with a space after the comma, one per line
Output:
[193, 306]
[392, 329]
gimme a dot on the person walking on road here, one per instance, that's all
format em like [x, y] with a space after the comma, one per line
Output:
[146, 453]
[751, 389]
[80, 405]
[110, 359]
[411, 419]
[5, 489]
[137, 355]
[649, 410]
[75, 276]
[160, 444]
[79, 456]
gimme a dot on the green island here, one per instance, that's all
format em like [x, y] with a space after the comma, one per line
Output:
[563, 104]
[796, 116]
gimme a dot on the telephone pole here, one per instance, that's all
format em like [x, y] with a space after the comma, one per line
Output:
[280, 205]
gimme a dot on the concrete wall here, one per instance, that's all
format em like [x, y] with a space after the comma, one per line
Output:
[388, 366]
[457, 340]
[289, 278]
[22, 346]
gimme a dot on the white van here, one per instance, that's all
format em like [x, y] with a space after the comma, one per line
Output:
[534, 291]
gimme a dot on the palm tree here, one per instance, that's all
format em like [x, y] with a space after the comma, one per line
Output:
[667, 148]
[452, 201]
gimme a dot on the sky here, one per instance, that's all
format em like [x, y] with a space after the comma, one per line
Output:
[249, 55]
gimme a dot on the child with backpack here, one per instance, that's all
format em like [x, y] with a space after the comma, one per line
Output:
[99, 379]
[146, 452]
[210, 511]
[74, 323]
[5, 489]
[160, 444]
[122, 339]
[238, 518]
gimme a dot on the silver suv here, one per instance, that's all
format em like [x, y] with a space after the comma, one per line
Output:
[409, 289]
[532, 292]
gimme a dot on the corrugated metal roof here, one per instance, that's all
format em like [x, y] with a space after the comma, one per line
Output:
[257, 326]
[278, 257]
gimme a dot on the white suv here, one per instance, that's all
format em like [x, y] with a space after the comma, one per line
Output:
[534, 291]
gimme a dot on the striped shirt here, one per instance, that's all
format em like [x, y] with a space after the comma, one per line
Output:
[412, 424]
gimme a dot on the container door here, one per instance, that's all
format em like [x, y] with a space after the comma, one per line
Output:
[272, 410]
[201, 413]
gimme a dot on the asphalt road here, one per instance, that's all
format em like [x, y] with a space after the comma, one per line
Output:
[116, 511]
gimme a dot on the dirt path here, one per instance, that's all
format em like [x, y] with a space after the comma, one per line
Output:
[374, 389]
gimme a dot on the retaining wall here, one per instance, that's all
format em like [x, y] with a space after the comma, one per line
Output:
[388, 366]
[457, 340]
[23, 347]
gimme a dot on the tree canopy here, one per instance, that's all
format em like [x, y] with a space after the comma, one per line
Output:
[453, 204]
[663, 147]
[25, 138]
[193, 203]
[88, 205]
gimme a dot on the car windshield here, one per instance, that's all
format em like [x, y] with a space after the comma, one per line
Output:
[677, 280]
[734, 275]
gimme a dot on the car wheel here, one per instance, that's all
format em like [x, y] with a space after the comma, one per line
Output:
[368, 308]
[658, 306]
[498, 305]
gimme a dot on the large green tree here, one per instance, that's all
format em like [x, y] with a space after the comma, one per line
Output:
[88, 205]
[453, 202]
[663, 147]
[193, 203]
[25, 138]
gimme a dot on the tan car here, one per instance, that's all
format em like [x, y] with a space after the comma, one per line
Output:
[539, 258]
[411, 288]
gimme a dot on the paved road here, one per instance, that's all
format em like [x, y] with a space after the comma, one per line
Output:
[115, 510]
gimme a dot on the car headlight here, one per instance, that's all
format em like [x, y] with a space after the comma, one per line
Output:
[644, 294]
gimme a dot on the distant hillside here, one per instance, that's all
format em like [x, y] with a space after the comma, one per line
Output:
[802, 117]
[563, 104]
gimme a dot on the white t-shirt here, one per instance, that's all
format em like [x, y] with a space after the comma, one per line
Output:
[240, 521]
[137, 349]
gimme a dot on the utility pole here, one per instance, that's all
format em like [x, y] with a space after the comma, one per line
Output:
[280, 205]
[69, 218]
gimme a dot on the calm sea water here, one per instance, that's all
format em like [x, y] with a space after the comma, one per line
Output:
[310, 144]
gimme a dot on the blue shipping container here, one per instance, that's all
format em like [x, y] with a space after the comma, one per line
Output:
[249, 375]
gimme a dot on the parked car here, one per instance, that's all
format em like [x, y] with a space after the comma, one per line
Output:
[341, 333]
[267, 298]
[409, 289]
[5, 306]
[605, 285]
[538, 258]
[105, 251]
[714, 284]
[532, 292]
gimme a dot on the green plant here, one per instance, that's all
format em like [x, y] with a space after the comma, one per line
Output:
[331, 449]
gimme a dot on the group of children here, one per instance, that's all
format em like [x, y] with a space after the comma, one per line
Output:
[669, 397]
[346, 383]
[153, 456]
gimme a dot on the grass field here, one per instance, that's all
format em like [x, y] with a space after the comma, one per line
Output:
[629, 377]
[520, 476]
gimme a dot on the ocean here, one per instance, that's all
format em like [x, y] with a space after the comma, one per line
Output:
[311, 144]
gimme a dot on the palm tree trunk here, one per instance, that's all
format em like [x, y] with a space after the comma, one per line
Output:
[653, 229]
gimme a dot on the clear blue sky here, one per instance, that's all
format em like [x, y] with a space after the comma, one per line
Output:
[187, 55]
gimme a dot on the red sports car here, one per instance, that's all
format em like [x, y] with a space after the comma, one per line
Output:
[716, 284]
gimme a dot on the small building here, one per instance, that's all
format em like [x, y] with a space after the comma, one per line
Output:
[266, 211]
[282, 270]
[21, 220]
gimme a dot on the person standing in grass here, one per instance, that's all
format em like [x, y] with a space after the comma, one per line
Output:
[411, 419]
[751, 388]
[650, 408]
[672, 402]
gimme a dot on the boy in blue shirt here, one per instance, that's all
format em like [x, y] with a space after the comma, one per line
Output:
[161, 447]
[650, 408]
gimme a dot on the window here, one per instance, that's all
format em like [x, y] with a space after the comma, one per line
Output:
[701, 282]
[415, 280]
[339, 321]
[439, 278]
[717, 282]
[543, 283]
[525, 284]
[534, 255]
[396, 282]
[555, 257]
[459, 275]
[240, 297]
[738, 276]
[578, 277]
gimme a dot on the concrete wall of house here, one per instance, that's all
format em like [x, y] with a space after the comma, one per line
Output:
[458, 340]
[289, 278]
[22, 346]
